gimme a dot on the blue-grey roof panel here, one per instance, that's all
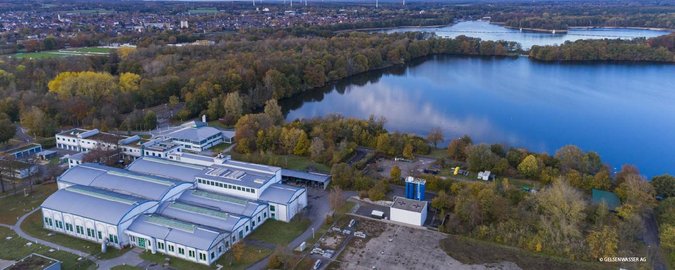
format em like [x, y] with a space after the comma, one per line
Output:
[93, 203]
[179, 232]
[223, 202]
[280, 193]
[317, 177]
[166, 168]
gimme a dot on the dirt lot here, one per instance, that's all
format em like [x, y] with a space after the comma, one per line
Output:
[391, 246]
[407, 167]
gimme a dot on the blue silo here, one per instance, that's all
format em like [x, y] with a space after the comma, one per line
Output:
[415, 188]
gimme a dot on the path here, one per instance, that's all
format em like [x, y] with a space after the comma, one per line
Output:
[651, 238]
[131, 257]
[17, 229]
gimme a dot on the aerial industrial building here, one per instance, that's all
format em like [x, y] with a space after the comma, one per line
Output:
[187, 206]
[413, 208]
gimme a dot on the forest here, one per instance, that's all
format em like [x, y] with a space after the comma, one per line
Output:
[658, 49]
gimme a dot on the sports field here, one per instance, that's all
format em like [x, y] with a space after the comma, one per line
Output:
[84, 51]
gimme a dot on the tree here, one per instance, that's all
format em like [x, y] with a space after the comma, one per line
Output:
[335, 198]
[129, 82]
[603, 242]
[395, 173]
[273, 110]
[37, 122]
[408, 151]
[636, 192]
[316, 149]
[562, 208]
[233, 106]
[342, 175]
[215, 108]
[480, 157]
[529, 167]
[238, 250]
[150, 120]
[626, 170]
[94, 86]
[570, 157]
[302, 146]
[664, 185]
[457, 148]
[7, 128]
[435, 136]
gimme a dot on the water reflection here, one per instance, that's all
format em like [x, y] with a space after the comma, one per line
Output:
[622, 111]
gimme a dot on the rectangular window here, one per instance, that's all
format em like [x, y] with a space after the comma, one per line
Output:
[191, 253]
[171, 249]
[160, 245]
[69, 227]
[202, 256]
[79, 229]
[112, 238]
[100, 235]
[90, 232]
[272, 208]
[181, 251]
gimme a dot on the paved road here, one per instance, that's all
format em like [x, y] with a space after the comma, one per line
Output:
[317, 209]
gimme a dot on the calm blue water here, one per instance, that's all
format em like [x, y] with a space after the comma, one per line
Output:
[625, 112]
[487, 31]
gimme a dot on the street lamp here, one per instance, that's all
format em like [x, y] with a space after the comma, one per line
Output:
[312, 232]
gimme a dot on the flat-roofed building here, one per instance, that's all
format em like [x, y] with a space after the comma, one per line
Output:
[178, 238]
[408, 211]
[20, 150]
[196, 136]
[167, 168]
[93, 214]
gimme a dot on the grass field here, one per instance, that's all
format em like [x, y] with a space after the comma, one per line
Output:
[33, 226]
[12, 247]
[251, 256]
[16, 205]
[126, 267]
[278, 232]
[471, 251]
[85, 51]
[217, 149]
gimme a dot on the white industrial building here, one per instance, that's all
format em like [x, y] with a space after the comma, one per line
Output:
[196, 136]
[408, 211]
[188, 206]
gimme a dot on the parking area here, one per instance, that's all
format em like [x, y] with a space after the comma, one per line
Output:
[400, 247]
[408, 167]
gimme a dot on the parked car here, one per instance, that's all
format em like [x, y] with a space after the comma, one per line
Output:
[317, 265]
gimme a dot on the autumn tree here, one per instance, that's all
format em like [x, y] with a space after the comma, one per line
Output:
[562, 208]
[94, 86]
[316, 149]
[37, 122]
[273, 110]
[395, 173]
[408, 151]
[335, 198]
[664, 185]
[302, 145]
[129, 82]
[480, 157]
[457, 148]
[7, 128]
[636, 192]
[529, 167]
[234, 107]
[342, 175]
[603, 242]
[435, 136]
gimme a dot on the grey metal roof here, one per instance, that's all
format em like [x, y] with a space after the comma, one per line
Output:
[121, 181]
[237, 175]
[223, 202]
[202, 215]
[280, 193]
[166, 168]
[408, 204]
[312, 176]
[197, 134]
[98, 204]
[176, 231]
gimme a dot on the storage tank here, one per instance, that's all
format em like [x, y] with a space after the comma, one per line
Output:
[415, 188]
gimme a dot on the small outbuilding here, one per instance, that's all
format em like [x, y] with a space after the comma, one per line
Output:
[608, 198]
[408, 211]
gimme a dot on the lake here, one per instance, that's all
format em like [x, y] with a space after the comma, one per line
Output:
[486, 31]
[625, 112]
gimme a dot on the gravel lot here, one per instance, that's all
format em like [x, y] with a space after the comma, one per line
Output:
[399, 247]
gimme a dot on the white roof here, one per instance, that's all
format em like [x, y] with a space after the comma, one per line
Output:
[166, 168]
[177, 231]
[195, 134]
[280, 193]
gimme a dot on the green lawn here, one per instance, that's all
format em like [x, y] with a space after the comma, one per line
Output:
[84, 51]
[33, 226]
[15, 248]
[217, 149]
[278, 232]
[251, 256]
[16, 205]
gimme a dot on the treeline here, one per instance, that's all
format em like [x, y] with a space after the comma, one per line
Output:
[101, 91]
[666, 20]
[658, 49]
